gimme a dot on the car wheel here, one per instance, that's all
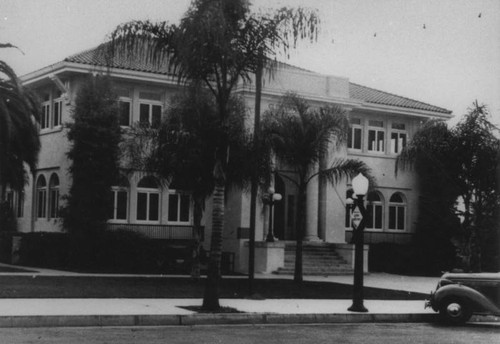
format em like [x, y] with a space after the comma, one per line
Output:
[455, 311]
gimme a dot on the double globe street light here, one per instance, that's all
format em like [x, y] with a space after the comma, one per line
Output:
[358, 215]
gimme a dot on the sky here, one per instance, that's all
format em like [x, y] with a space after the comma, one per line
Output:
[442, 52]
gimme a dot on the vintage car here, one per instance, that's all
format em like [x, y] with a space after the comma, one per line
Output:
[459, 295]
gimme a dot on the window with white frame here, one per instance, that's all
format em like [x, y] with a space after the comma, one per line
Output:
[179, 207]
[125, 106]
[398, 137]
[54, 196]
[120, 192]
[9, 197]
[19, 203]
[41, 197]
[150, 108]
[57, 111]
[125, 112]
[148, 200]
[397, 212]
[376, 136]
[355, 134]
[45, 115]
[374, 211]
[15, 200]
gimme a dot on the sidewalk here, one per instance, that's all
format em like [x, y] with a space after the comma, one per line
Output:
[162, 312]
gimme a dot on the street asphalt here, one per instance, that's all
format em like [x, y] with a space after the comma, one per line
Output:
[19, 312]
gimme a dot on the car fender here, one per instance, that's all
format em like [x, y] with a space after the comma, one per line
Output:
[477, 301]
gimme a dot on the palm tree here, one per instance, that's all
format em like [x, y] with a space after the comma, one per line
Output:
[217, 43]
[19, 141]
[181, 151]
[300, 137]
[461, 163]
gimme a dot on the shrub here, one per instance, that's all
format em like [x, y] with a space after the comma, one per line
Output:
[402, 259]
[113, 252]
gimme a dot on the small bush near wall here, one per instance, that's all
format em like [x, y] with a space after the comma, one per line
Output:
[401, 259]
[112, 252]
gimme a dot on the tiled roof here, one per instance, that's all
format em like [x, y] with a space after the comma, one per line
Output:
[371, 95]
[98, 57]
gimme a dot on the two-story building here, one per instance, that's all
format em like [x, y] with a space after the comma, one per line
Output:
[381, 125]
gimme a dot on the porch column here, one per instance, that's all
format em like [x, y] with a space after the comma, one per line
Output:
[312, 211]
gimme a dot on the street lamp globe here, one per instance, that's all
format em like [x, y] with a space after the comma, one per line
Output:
[360, 184]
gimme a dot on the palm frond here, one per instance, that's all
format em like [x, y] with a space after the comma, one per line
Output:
[347, 168]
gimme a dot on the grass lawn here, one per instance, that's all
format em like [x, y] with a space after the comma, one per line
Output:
[12, 269]
[34, 286]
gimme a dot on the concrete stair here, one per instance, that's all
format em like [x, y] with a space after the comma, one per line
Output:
[318, 259]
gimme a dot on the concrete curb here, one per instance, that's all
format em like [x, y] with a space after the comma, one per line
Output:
[206, 319]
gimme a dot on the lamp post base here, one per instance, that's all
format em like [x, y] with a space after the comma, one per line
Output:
[270, 238]
[357, 307]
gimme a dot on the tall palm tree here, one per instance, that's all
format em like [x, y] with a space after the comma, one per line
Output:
[300, 137]
[217, 43]
[182, 151]
[19, 141]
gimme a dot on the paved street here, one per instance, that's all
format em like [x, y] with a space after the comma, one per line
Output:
[290, 334]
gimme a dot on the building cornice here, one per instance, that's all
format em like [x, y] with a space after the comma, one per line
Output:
[65, 67]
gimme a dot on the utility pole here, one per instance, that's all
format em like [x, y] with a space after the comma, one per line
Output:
[254, 188]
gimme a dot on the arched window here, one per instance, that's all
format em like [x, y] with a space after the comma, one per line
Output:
[54, 196]
[41, 197]
[374, 210]
[148, 200]
[120, 192]
[397, 212]
[179, 204]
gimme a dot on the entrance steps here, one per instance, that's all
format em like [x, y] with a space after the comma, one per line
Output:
[318, 258]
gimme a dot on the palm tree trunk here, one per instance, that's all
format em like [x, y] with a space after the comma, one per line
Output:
[197, 215]
[211, 297]
[301, 225]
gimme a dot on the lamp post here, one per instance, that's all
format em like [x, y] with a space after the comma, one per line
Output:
[270, 198]
[360, 187]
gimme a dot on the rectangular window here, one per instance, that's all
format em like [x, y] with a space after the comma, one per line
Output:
[354, 134]
[185, 206]
[374, 219]
[57, 113]
[376, 140]
[124, 108]
[150, 96]
[20, 204]
[41, 203]
[54, 203]
[121, 205]
[379, 124]
[45, 116]
[179, 208]
[142, 206]
[397, 217]
[154, 207]
[150, 113]
[10, 199]
[392, 217]
[401, 218]
[398, 142]
[148, 206]
[173, 205]
[156, 116]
